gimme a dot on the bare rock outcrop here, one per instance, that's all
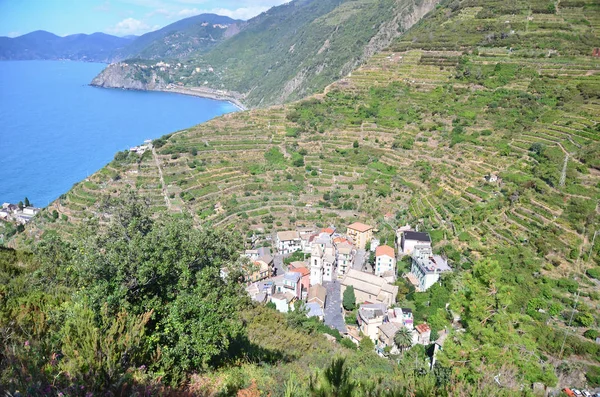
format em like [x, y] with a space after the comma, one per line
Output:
[130, 77]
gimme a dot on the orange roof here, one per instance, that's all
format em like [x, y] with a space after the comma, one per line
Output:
[422, 328]
[328, 230]
[384, 250]
[360, 227]
[302, 270]
[340, 240]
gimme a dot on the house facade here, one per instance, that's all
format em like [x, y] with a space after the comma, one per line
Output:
[386, 334]
[422, 334]
[426, 268]
[283, 301]
[292, 283]
[385, 260]
[410, 239]
[288, 242]
[370, 317]
[345, 257]
[322, 260]
[360, 234]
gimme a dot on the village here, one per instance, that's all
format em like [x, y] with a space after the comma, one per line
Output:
[20, 213]
[320, 270]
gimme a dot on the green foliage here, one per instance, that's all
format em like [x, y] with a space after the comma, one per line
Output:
[335, 380]
[484, 301]
[101, 355]
[347, 343]
[259, 61]
[594, 272]
[349, 299]
[275, 158]
[140, 291]
[403, 338]
[593, 376]
[585, 319]
[591, 334]
[366, 344]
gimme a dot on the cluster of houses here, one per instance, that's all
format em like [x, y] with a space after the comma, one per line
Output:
[14, 213]
[380, 323]
[329, 256]
[142, 148]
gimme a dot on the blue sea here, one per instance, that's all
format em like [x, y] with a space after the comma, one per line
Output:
[55, 130]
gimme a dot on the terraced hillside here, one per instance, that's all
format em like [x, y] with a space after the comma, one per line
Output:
[481, 124]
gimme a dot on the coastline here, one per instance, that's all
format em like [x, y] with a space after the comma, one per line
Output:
[209, 93]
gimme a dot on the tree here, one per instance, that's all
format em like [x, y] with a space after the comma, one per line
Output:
[55, 215]
[403, 338]
[27, 203]
[349, 299]
[366, 344]
[355, 144]
[335, 381]
[139, 264]
[20, 205]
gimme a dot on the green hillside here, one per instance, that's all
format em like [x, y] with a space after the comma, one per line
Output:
[290, 51]
[300, 47]
[476, 89]
[178, 40]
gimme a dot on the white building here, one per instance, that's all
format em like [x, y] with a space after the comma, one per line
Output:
[345, 258]
[385, 261]
[288, 242]
[370, 317]
[322, 260]
[426, 268]
[403, 317]
[283, 301]
[369, 288]
[316, 266]
[409, 240]
[31, 211]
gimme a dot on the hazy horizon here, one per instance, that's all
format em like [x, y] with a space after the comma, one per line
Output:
[115, 17]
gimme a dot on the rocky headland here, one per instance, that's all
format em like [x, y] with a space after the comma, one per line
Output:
[151, 78]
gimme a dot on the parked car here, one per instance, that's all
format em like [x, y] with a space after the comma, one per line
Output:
[568, 392]
[586, 393]
[577, 392]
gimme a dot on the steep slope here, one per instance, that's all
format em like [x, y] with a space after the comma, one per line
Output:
[293, 50]
[98, 47]
[480, 124]
[177, 40]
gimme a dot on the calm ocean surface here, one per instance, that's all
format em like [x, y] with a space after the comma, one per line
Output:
[55, 129]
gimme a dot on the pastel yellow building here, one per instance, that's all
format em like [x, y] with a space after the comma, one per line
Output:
[360, 234]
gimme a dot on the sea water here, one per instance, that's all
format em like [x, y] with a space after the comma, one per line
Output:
[55, 129]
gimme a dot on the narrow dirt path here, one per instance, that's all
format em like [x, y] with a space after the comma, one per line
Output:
[162, 180]
[563, 174]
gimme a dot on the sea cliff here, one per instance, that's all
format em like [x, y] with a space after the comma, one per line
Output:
[149, 78]
[130, 76]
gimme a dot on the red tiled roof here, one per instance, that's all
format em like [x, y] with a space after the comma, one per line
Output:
[361, 227]
[302, 270]
[384, 250]
[328, 230]
[422, 328]
[340, 240]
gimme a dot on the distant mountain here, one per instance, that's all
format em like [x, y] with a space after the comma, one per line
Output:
[40, 44]
[283, 54]
[196, 34]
